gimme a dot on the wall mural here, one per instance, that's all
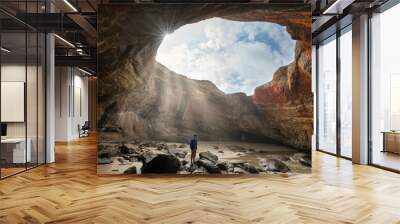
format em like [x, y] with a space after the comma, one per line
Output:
[204, 89]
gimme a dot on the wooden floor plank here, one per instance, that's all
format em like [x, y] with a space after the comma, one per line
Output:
[70, 191]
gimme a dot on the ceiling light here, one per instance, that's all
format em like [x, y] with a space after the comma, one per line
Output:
[65, 41]
[84, 71]
[5, 50]
[79, 51]
[70, 5]
[338, 6]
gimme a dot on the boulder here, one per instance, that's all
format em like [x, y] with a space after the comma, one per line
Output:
[297, 156]
[149, 154]
[302, 158]
[160, 163]
[107, 150]
[173, 146]
[192, 167]
[129, 149]
[121, 160]
[306, 162]
[123, 149]
[210, 166]
[178, 152]
[223, 166]
[239, 170]
[209, 156]
[149, 144]
[131, 158]
[276, 165]
[103, 154]
[131, 170]
[199, 170]
[162, 146]
[250, 168]
[285, 158]
[104, 160]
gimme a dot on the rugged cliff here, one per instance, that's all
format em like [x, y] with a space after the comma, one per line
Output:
[141, 99]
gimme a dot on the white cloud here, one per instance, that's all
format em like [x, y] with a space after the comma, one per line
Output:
[235, 56]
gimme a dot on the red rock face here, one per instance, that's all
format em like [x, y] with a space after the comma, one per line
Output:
[291, 84]
[131, 103]
[287, 101]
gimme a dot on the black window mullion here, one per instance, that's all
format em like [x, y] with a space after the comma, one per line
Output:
[26, 87]
[316, 97]
[37, 90]
[369, 79]
[338, 81]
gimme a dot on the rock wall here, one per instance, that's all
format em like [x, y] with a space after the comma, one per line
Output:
[141, 99]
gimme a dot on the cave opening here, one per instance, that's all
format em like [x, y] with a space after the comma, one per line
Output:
[236, 56]
[237, 77]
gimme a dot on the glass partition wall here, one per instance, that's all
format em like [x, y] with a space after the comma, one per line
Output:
[22, 77]
[326, 104]
[334, 94]
[385, 89]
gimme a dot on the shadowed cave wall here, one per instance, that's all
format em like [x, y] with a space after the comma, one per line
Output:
[141, 99]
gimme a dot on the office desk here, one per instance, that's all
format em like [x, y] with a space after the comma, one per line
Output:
[391, 141]
[13, 150]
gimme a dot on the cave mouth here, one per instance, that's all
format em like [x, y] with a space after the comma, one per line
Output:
[236, 56]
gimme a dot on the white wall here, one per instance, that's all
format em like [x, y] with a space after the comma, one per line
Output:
[61, 103]
[71, 102]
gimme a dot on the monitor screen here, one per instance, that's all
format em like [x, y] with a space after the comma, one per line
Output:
[3, 129]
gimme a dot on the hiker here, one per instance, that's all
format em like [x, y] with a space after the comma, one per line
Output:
[193, 148]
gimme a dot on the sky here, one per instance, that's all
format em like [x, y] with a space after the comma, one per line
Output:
[235, 56]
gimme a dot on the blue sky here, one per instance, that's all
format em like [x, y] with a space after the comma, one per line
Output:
[235, 56]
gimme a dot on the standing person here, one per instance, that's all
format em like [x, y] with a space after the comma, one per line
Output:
[193, 148]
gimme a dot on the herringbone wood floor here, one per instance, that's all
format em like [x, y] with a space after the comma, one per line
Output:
[69, 191]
